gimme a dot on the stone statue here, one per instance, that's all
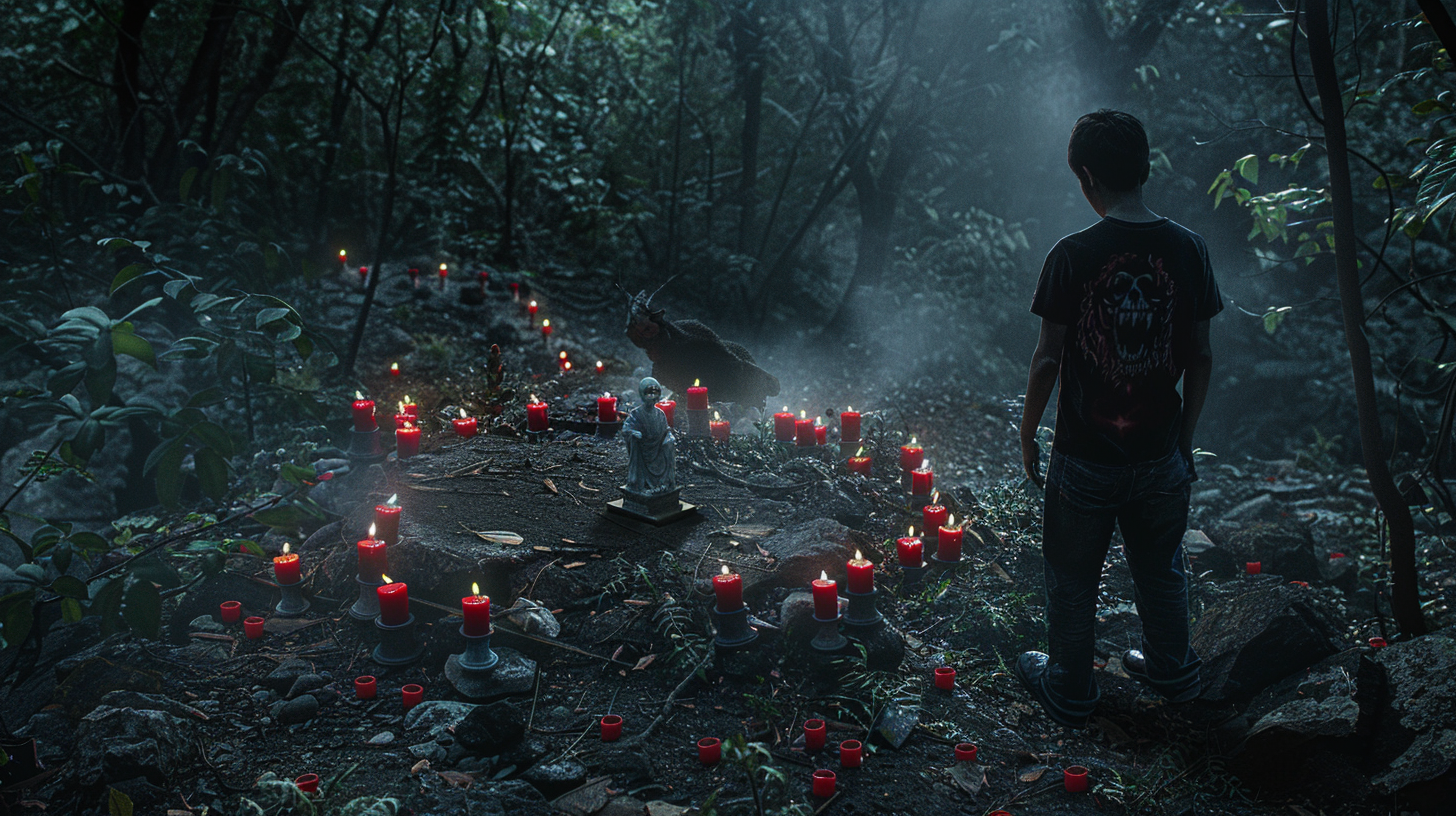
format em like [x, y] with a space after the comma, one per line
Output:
[651, 460]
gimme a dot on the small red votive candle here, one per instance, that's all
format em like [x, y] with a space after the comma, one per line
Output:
[386, 521]
[911, 455]
[531, 308]
[804, 432]
[823, 785]
[411, 695]
[815, 732]
[363, 414]
[728, 590]
[911, 550]
[710, 750]
[668, 407]
[308, 783]
[230, 611]
[860, 465]
[1253, 567]
[537, 419]
[945, 678]
[546, 328]
[394, 369]
[849, 426]
[1378, 643]
[821, 433]
[851, 753]
[697, 397]
[393, 603]
[606, 408]
[611, 728]
[286, 568]
[363, 274]
[1074, 778]
[948, 546]
[784, 426]
[966, 752]
[719, 429]
[365, 687]
[476, 608]
[253, 627]
[861, 574]
[922, 479]
[407, 441]
[826, 597]
[601, 367]
[465, 426]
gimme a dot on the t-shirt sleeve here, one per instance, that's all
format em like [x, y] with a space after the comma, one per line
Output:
[1210, 301]
[1054, 300]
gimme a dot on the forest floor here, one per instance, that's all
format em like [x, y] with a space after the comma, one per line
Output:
[632, 605]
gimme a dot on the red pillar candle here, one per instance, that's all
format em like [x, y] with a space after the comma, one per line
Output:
[911, 455]
[363, 414]
[826, 597]
[394, 369]
[910, 549]
[465, 426]
[784, 426]
[393, 602]
[1378, 643]
[719, 428]
[414, 275]
[1074, 778]
[710, 750]
[407, 441]
[803, 431]
[815, 732]
[563, 363]
[230, 611]
[344, 259]
[949, 546]
[546, 328]
[372, 558]
[851, 753]
[386, 520]
[728, 588]
[823, 785]
[515, 291]
[821, 433]
[697, 397]
[849, 426]
[859, 464]
[606, 408]
[363, 275]
[536, 416]
[531, 308]
[253, 627]
[601, 367]
[410, 408]
[933, 515]
[444, 271]
[476, 608]
[668, 407]
[861, 574]
[922, 479]
[307, 783]
[286, 567]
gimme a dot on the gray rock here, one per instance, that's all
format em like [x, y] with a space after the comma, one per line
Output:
[1255, 639]
[54, 735]
[884, 647]
[491, 729]
[282, 678]
[304, 684]
[1282, 548]
[382, 738]
[432, 751]
[1422, 678]
[121, 743]
[555, 778]
[507, 798]
[205, 623]
[801, 552]
[298, 710]
[436, 715]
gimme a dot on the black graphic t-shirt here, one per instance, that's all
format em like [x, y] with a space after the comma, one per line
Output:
[1129, 295]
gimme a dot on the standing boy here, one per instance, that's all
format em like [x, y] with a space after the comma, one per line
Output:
[1125, 306]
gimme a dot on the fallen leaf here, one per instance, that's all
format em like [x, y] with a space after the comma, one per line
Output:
[1033, 774]
[644, 662]
[499, 536]
[567, 541]
[456, 779]
[636, 602]
[539, 548]
[618, 653]
[590, 489]
[422, 765]
[574, 565]
[968, 776]
[551, 486]
[1001, 572]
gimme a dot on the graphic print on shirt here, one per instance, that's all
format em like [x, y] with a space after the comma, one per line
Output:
[1126, 327]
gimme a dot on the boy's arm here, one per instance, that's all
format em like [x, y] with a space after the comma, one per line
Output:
[1195, 388]
[1046, 364]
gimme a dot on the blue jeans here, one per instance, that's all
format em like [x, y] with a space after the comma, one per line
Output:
[1149, 503]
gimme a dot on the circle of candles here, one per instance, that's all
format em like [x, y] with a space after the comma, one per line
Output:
[945, 678]
[861, 574]
[465, 426]
[476, 609]
[710, 750]
[546, 328]
[1074, 778]
[821, 432]
[784, 426]
[386, 520]
[365, 687]
[1377, 643]
[394, 369]
[611, 728]
[393, 602]
[948, 546]
[826, 597]
[230, 611]
[851, 753]
[859, 463]
[363, 414]
[606, 408]
[537, 419]
[911, 455]
[697, 397]
[286, 567]
[966, 752]
[308, 783]
[1253, 567]
[922, 479]
[411, 695]
[410, 408]
[719, 428]
[668, 407]
[823, 783]
[815, 732]
[253, 627]
[910, 550]
[849, 426]
[728, 589]
[407, 441]
[803, 430]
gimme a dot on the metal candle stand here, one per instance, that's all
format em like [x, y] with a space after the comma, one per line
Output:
[914, 575]
[367, 607]
[365, 447]
[828, 639]
[472, 672]
[943, 564]
[397, 644]
[698, 422]
[862, 614]
[292, 603]
[733, 629]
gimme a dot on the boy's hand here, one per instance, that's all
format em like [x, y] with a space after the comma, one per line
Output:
[1031, 462]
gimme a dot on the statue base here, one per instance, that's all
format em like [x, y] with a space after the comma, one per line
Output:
[660, 509]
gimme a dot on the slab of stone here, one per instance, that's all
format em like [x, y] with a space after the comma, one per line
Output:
[121, 743]
[1422, 709]
[1261, 636]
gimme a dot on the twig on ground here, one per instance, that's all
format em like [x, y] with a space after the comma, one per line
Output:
[642, 736]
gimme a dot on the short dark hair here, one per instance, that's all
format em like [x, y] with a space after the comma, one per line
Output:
[1113, 146]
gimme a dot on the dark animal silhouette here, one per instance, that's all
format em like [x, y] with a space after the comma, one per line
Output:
[684, 351]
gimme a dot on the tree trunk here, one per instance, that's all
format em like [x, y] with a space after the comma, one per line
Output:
[1405, 596]
[1107, 60]
[196, 92]
[747, 38]
[285, 31]
[126, 77]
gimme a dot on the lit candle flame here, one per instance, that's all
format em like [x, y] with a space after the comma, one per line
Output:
[950, 522]
[406, 399]
[607, 394]
[533, 304]
[462, 414]
[393, 500]
[371, 532]
[599, 364]
[546, 323]
[859, 453]
[858, 556]
[911, 534]
[442, 267]
[803, 414]
[408, 425]
[786, 409]
[566, 366]
[562, 355]
[912, 441]
[823, 576]
[399, 407]
[342, 254]
[725, 569]
[358, 395]
[394, 367]
[475, 589]
[717, 417]
[818, 421]
[850, 408]
[935, 497]
[285, 548]
[534, 400]
[385, 578]
[925, 464]
[697, 382]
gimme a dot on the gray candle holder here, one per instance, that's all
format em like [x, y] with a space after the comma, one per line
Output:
[733, 629]
[828, 638]
[292, 603]
[397, 644]
[471, 672]
[365, 447]
[862, 612]
[945, 564]
[367, 607]
[914, 576]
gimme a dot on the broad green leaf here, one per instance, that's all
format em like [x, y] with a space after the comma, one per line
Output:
[267, 316]
[212, 472]
[128, 273]
[118, 803]
[70, 610]
[1248, 167]
[17, 615]
[184, 188]
[123, 341]
[214, 437]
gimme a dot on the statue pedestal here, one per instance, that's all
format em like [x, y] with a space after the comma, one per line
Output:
[663, 508]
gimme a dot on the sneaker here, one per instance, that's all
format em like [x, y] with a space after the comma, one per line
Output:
[1136, 666]
[1031, 669]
